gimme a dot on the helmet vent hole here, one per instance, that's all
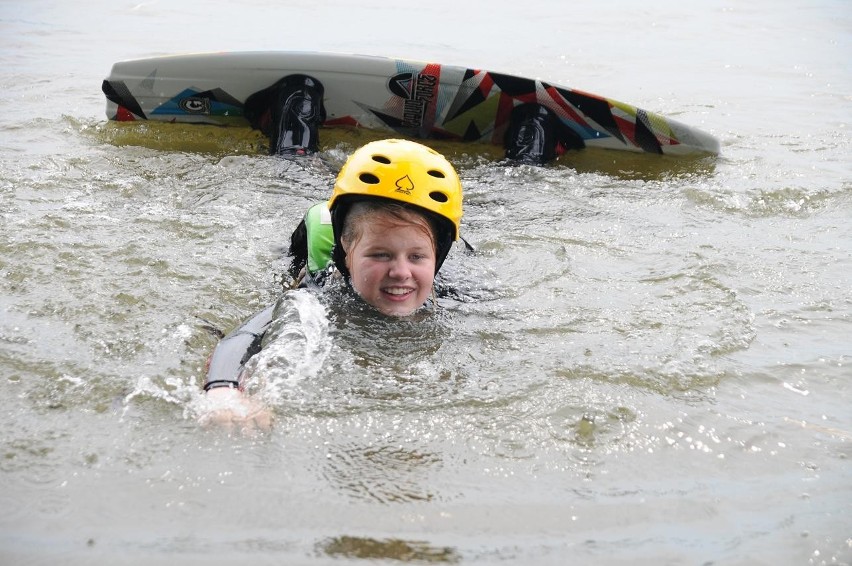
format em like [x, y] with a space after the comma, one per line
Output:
[369, 179]
[438, 196]
[436, 173]
[381, 159]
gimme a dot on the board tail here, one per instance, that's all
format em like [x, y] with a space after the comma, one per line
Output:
[118, 93]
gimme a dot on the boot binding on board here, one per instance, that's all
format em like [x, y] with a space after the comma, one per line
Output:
[297, 113]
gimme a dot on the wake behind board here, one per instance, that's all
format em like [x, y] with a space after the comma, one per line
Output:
[409, 98]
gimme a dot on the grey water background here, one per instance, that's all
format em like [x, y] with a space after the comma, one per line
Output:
[648, 361]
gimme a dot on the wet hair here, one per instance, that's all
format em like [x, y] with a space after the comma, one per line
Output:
[393, 215]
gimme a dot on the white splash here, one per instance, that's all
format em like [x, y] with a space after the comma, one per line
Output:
[298, 345]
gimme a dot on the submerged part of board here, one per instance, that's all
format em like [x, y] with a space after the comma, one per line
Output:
[409, 98]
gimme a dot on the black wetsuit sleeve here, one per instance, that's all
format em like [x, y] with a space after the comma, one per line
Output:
[235, 349]
[298, 249]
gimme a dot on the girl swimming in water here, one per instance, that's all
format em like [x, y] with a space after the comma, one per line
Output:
[391, 220]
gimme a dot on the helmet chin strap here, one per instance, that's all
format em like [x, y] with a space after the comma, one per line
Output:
[467, 245]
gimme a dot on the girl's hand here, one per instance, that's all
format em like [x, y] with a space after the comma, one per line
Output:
[228, 407]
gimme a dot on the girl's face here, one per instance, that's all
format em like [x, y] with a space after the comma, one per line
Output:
[391, 262]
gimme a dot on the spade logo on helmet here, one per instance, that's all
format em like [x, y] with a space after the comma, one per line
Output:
[404, 185]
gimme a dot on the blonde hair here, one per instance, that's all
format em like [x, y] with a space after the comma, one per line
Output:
[384, 213]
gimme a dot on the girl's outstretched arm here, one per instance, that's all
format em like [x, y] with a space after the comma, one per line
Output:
[225, 403]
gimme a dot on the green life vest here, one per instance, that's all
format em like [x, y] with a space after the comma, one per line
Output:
[320, 237]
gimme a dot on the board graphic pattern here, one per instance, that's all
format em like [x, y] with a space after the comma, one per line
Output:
[421, 100]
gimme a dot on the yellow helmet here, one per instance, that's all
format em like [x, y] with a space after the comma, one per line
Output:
[405, 171]
[402, 171]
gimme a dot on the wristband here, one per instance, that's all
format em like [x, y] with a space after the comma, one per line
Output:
[221, 383]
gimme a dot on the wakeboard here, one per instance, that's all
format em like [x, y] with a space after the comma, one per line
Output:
[402, 97]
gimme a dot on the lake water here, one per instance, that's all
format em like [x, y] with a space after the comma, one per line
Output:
[648, 360]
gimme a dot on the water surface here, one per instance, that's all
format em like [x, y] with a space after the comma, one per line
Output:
[646, 361]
